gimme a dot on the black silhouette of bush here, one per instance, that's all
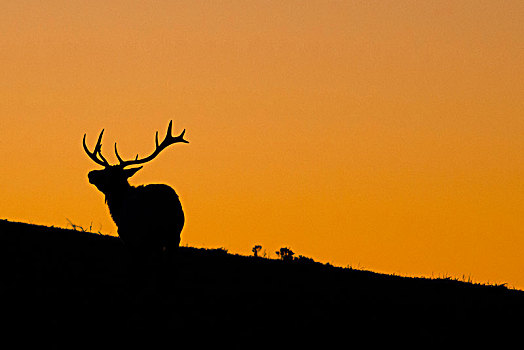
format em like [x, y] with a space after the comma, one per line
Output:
[256, 249]
[285, 254]
[304, 259]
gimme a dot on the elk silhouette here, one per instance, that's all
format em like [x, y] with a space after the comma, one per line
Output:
[149, 217]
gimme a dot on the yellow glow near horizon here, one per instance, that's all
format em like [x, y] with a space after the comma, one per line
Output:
[384, 135]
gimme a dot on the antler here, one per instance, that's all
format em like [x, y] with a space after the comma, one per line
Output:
[168, 140]
[97, 151]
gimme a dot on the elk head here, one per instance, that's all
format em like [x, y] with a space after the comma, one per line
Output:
[113, 178]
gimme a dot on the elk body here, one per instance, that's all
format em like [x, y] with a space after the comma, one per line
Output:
[149, 218]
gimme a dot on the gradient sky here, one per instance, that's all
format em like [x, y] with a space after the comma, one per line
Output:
[385, 135]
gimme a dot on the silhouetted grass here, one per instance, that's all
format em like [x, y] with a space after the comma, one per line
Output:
[77, 289]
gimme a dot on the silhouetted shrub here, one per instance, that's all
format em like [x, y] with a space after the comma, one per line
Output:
[285, 254]
[304, 259]
[256, 249]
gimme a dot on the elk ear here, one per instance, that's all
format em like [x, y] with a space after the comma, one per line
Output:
[130, 172]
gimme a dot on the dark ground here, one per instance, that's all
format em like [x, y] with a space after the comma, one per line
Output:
[67, 289]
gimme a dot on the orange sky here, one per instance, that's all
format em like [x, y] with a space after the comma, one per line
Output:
[385, 135]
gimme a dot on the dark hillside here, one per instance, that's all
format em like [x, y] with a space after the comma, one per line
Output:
[71, 289]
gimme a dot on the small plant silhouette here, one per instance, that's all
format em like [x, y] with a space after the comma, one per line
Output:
[285, 254]
[304, 259]
[255, 250]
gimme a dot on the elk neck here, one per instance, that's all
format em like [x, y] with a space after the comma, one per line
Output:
[117, 195]
[116, 199]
